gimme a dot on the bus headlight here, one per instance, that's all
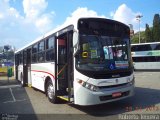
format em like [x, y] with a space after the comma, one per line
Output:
[88, 85]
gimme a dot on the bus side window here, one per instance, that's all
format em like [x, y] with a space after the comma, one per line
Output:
[62, 51]
[20, 58]
[157, 47]
[25, 57]
[34, 53]
[50, 51]
[41, 52]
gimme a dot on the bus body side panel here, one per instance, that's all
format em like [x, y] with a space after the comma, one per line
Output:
[146, 65]
[39, 73]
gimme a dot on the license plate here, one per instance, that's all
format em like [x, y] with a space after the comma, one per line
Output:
[117, 94]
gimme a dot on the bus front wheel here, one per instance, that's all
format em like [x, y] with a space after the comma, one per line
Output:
[50, 90]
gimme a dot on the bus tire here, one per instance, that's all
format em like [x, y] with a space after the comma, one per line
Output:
[50, 92]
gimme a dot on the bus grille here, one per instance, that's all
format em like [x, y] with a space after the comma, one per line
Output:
[108, 76]
[112, 86]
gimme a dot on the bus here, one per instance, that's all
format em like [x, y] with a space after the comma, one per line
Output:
[86, 63]
[146, 56]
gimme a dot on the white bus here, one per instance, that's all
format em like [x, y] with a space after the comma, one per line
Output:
[146, 56]
[85, 65]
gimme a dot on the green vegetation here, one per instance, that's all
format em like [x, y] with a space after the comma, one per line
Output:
[151, 34]
[6, 53]
[148, 34]
[156, 28]
[135, 37]
[6, 60]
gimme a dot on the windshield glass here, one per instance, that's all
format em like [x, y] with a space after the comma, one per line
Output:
[102, 53]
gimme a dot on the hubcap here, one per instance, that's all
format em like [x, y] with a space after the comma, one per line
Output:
[50, 91]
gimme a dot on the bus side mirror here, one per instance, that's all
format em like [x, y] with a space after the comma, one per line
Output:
[76, 54]
[75, 38]
[75, 44]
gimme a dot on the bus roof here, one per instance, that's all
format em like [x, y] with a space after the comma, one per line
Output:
[56, 30]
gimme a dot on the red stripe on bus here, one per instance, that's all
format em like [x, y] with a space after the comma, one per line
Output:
[44, 72]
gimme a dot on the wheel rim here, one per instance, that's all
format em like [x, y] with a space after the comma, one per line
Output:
[50, 91]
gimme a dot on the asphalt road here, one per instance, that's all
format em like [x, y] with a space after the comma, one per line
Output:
[27, 103]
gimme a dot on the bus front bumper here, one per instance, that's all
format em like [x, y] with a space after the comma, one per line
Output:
[85, 96]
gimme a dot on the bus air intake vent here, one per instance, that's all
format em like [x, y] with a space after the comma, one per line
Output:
[112, 86]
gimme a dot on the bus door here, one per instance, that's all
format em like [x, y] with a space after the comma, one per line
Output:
[65, 66]
[29, 66]
[16, 65]
[25, 75]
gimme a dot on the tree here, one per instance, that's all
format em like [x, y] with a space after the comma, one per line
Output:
[135, 38]
[156, 28]
[148, 34]
[7, 53]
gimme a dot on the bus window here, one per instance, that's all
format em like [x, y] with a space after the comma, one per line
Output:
[20, 58]
[50, 52]
[62, 50]
[25, 57]
[41, 52]
[34, 48]
[157, 47]
[34, 53]
[41, 46]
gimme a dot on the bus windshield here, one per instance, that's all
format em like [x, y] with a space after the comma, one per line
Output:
[103, 53]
